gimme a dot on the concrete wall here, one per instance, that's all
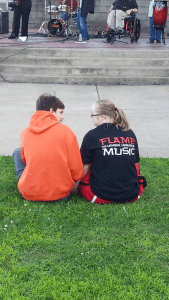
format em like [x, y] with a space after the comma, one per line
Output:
[97, 21]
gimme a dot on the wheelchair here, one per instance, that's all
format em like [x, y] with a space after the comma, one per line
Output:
[132, 29]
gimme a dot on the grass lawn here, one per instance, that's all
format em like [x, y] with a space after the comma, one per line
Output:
[77, 250]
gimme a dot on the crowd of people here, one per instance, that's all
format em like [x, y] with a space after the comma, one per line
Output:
[118, 11]
[50, 165]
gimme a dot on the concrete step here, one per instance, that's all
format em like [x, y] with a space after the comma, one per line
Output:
[89, 66]
[121, 72]
[83, 62]
[86, 80]
[92, 53]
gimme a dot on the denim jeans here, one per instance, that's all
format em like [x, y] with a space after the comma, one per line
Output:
[154, 34]
[82, 25]
[63, 16]
[20, 166]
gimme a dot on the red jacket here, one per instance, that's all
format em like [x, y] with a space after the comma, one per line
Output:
[73, 2]
[53, 161]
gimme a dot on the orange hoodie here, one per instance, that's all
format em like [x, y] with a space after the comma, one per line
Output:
[53, 161]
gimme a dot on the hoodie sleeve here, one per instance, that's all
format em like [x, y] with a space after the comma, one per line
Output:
[22, 155]
[74, 158]
[22, 146]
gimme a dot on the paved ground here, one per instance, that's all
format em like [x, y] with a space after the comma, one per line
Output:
[146, 108]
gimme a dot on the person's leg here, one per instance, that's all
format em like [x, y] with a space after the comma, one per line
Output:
[19, 164]
[62, 199]
[63, 16]
[110, 19]
[141, 181]
[16, 21]
[83, 26]
[120, 16]
[25, 19]
[85, 191]
[151, 29]
[59, 200]
[158, 35]
[78, 21]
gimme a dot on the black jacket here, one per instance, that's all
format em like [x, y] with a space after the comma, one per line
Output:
[87, 7]
[125, 4]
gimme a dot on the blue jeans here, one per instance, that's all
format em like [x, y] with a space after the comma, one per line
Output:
[20, 166]
[154, 34]
[82, 25]
[63, 16]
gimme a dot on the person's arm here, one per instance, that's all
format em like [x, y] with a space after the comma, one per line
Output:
[74, 159]
[86, 158]
[22, 146]
[110, 9]
[129, 11]
[23, 155]
[86, 169]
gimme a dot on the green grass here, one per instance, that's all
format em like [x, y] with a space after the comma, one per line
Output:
[77, 250]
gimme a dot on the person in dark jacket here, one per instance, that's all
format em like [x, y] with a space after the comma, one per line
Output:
[22, 10]
[85, 7]
[122, 9]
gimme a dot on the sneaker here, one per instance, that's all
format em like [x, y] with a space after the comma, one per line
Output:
[80, 38]
[23, 39]
[158, 41]
[85, 40]
[151, 41]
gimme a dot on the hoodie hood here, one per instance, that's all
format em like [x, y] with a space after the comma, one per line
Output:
[41, 121]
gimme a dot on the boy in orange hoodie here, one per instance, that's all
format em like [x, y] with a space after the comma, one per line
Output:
[49, 161]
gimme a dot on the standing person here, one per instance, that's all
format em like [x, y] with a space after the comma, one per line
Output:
[85, 7]
[22, 10]
[154, 34]
[72, 5]
[49, 161]
[122, 9]
[110, 156]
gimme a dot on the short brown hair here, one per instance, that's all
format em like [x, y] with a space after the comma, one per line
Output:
[47, 101]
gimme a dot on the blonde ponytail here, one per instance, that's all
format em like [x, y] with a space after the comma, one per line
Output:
[107, 108]
[120, 119]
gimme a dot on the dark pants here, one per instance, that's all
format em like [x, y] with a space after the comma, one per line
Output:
[22, 10]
